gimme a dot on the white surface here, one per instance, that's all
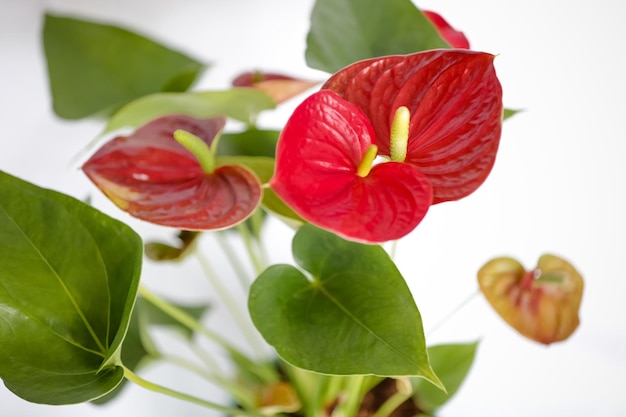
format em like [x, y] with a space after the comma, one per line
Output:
[558, 184]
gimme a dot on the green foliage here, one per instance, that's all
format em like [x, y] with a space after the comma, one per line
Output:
[67, 288]
[345, 31]
[241, 104]
[509, 112]
[138, 348]
[158, 251]
[452, 363]
[96, 68]
[252, 142]
[355, 316]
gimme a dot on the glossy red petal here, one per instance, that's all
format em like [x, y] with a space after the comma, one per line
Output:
[151, 176]
[317, 158]
[454, 37]
[455, 100]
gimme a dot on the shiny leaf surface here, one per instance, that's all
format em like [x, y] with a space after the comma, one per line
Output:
[541, 304]
[356, 315]
[455, 102]
[151, 176]
[317, 159]
[67, 288]
[96, 67]
[345, 31]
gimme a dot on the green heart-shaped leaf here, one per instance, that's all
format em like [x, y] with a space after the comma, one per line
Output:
[346, 31]
[67, 288]
[95, 67]
[356, 315]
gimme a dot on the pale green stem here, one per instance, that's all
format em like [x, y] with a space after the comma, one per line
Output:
[404, 392]
[240, 273]
[354, 396]
[242, 395]
[462, 304]
[203, 153]
[189, 366]
[186, 320]
[229, 302]
[391, 404]
[365, 166]
[399, 135]
[257, 220]
[315, 390]
[131, 376]
[393, 249]
[247, 241]
[263, 371]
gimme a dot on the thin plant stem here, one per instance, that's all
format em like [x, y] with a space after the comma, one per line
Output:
[189, 366]
[240, 273]
[229, 302]
[242, 395]
[354, 395]
[458, 308]
[247, 241]
[391, 404]
[393, 249]
[186, 320]
[151, 386]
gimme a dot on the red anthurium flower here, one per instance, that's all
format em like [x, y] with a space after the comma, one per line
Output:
[455, 105]
[153, 177]
[323, 162]
[279, 87]
[455, 38]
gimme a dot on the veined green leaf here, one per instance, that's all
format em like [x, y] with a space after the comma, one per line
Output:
[95, 67]
[68, 279]
[345, 31]
[356, 315]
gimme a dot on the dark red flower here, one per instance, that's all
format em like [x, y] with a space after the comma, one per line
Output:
[153, 177]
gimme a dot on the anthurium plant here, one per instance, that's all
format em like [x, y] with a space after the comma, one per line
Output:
[408, 117]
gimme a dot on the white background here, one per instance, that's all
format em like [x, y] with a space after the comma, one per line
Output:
[558, 185]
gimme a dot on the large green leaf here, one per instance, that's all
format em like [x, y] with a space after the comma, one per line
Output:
[451, 362]
[355, 316]
[238, 103]
[94, 67]
[345, 31]
[68, 279]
